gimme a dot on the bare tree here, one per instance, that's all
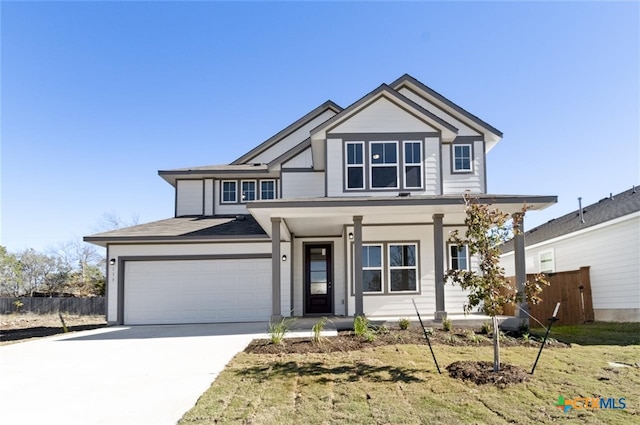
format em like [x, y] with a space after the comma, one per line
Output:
[112, 221]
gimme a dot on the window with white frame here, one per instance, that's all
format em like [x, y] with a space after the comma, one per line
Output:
[372, 268]
[383, 166]
[458, 257]
[355, 165]
[267, 189]
[248, 190]
[547, 261]
[403, 268]
[462, 158]
[229, 192]
[412, 164]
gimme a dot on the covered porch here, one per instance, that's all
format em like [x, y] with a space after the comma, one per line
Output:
[343, 226]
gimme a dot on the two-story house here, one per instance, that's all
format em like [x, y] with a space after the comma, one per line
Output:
[343, 212]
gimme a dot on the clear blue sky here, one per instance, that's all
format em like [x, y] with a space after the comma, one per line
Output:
[98, 96]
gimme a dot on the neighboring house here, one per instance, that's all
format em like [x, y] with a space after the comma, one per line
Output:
[280, 231]
[606, 237]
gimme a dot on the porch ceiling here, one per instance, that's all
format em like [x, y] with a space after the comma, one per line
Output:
[328, 216]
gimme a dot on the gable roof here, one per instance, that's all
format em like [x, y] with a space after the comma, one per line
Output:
[606, 209]
[407, 80]
[385, 90]
[328, 105]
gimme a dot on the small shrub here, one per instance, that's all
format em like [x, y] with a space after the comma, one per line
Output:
[404, 323]
[278, 330]
[486, 328]
[523, 327]
[361, 326]
[370, 336]
[446, 324]
[429, 331]
[383, 330]
[317, 331]
[526, 337]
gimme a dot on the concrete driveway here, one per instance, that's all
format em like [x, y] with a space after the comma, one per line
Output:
[119, 375]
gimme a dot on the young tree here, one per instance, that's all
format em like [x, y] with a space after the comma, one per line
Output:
[488, 287]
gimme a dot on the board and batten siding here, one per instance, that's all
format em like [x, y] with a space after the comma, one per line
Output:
[454, 183]
[208, 196]
[189, 199]
[432, 166]
[611, 251]
[302, 184]
[292, 140]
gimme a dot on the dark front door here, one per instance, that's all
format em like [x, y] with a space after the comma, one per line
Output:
[318, 285]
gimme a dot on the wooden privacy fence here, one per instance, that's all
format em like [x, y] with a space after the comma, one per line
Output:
[42, 305]
[572, 289]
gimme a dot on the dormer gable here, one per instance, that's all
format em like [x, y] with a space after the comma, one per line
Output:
[434, 102]
[382, 110]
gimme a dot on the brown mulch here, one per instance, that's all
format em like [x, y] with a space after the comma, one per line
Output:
[17, 327]
[348, 341]
[482, 373]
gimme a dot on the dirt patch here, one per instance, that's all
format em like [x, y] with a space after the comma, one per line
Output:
[348, 341]
[18, 327]
[482, 373]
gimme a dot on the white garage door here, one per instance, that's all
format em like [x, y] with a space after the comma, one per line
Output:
[197, 291]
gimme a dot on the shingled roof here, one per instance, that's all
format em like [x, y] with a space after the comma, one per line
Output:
[606, 209]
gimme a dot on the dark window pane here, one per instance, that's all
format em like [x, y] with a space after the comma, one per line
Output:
[229, 191]
[384, 177]
[355, 178]
[267, 190]
[377, 153]
[402, 255]
[412, 176]
[390, 154]
[354, 153]
[371, 280]
[403, 280]
[371, 256]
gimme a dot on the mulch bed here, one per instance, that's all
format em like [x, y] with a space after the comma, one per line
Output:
[348, 341]
[482, 373]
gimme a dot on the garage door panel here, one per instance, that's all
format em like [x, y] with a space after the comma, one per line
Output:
[197, 291]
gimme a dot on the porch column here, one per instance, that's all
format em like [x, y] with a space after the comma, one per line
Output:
[438, 258]
[520, 263]
[275, 267]
[357, 264]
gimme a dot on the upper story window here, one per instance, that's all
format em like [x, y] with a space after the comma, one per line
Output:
[412, 164]
[229, 191]
[458, 257]
[388, 165]
[384, 165]
[355, 165]
[248, 190]
[462, 155]
[267, 189]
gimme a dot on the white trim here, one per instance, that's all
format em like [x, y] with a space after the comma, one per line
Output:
[381, 268]
[453, 158]
[255, 191]
[420, 163]
[347, 165]
[414, 267]
[371, 165]
[275, 188]
[222, 182]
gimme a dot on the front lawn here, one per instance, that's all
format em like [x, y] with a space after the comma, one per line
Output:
[399, 384]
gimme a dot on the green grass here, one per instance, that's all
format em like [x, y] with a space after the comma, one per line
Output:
[596, 333]
[400, 385]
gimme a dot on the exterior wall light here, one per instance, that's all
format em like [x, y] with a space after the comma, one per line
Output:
[284, 257]
[112, 261]
[351, 236]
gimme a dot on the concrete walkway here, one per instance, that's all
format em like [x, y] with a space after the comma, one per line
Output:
[119, 375]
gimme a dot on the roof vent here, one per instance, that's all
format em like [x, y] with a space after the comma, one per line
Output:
[633, 189]
[611, 196]
[256, 164]
[240, 218]
[404, 194]
[580, 210]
